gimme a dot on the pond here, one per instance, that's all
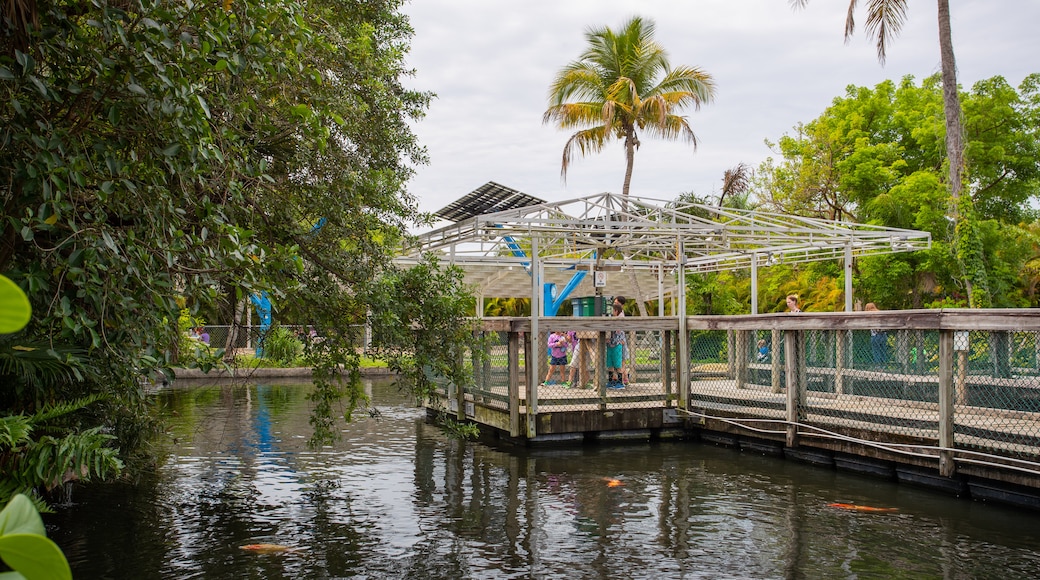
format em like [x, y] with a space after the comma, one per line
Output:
[395, 498]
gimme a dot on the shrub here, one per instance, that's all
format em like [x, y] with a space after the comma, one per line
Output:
[282, 346]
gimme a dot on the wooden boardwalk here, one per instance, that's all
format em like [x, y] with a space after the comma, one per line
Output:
[1001, 431]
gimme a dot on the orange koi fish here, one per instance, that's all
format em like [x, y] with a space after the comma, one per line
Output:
[268, 548]
[611, 482]
[862, 508]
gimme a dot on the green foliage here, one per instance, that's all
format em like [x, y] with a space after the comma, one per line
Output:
[421, 325]
[15, 310]
[458, 429]
[45, 450]
[877, 156]
[24, 545]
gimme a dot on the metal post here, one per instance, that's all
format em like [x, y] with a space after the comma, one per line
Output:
[754, 283]
[683, 360]
[534, 356]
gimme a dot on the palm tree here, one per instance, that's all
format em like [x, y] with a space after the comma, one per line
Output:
[623, 84]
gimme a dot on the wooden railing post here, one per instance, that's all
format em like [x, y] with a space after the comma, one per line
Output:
[946, 407]
[794, 368]
[843, 342]
[513, 356]
[774, 370]
[666, 366]
[740, 357]
[531, 361]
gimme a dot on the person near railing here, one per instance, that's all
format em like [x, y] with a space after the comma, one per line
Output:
[557, 358]
[878, 339]
[792, 303]
[763, 351]
[617, 348]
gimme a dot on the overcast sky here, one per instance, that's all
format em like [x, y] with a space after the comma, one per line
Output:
[490, 63]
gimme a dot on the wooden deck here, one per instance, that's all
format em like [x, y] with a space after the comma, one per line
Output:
[965, 412]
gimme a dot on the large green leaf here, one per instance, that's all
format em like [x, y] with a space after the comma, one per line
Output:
[20, 517]
[24, 545]
[14, 307]
[35, 557]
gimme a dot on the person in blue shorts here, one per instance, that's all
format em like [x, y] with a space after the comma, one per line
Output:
[616, 348]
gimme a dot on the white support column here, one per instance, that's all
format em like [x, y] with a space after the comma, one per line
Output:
[683, 356]
[660, 290]
[848, 277]
[754, 283]
[535, 350]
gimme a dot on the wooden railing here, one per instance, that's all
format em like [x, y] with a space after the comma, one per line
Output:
[952, 356]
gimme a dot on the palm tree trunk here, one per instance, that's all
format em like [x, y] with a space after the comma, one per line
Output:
[951, 103]
[630, 159]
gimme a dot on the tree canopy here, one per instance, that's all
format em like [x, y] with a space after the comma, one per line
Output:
[162, 155]
[876, 155]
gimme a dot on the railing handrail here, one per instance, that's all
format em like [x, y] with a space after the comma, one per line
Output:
[990, 319]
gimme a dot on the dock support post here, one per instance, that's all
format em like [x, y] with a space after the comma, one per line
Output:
[946, 407]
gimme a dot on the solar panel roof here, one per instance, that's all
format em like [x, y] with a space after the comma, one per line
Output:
[488, 198]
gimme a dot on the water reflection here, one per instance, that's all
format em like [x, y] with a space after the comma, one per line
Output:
[396, 499]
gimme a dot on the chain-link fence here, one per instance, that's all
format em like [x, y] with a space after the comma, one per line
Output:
[877, 381]
[974, 391]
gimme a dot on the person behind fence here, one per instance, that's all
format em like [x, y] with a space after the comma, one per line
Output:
[878, 339]
[577, 369]
[201, 334]
[557, 358]
[763, 351]
[616, 348]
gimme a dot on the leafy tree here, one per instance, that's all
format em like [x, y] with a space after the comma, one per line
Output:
[884, 19]
[157, 155]
[623, 84]
[875, 155]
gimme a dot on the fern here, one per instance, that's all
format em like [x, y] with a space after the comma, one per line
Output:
[14, 430]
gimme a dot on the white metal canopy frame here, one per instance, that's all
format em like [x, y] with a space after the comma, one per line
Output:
[644, 246]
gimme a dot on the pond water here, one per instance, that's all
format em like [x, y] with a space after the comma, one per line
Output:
[395, 498]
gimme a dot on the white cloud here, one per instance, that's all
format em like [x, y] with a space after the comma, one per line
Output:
[490, 63]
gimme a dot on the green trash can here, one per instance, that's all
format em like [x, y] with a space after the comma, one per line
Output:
[588, 306]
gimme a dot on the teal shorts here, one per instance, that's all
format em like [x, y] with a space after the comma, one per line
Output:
[615, 354]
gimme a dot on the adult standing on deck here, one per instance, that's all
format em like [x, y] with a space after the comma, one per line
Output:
[878, 339]
[792, 303]
[617, 347]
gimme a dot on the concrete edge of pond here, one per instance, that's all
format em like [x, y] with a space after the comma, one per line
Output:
[264, 373]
